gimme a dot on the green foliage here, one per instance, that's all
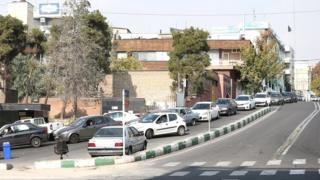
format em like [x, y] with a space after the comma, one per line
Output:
[36, 43]
[125, 64]
[189, 58]
[260, 63]
[315, 85]
[26, 73]
[315, 73]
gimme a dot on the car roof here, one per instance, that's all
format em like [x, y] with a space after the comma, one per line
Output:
[244, 95]
[203, 102]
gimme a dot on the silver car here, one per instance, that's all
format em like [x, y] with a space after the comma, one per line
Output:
[108, 141]
[188, 115]
[84, 128]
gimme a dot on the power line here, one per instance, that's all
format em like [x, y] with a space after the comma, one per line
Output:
[210, 15]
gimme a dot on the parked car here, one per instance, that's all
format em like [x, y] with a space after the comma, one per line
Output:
[109, 141]
[84, 128]
[188, 115]
[290, 97]
[262, 99]
[39, 121]
[276, 98]
[206, 109]
[118, 116]
[23, 134]
[227, 106]
[153, 124]
[245, 102]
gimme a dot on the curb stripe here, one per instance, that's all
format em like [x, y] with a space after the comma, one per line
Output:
[68, 164]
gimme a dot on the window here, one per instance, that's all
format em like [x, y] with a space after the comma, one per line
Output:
[134, 131]
[172, 117]
[130, 133]
[99, 120]
[21, 127]
[225, 56]
[162, 119]
[182, 111]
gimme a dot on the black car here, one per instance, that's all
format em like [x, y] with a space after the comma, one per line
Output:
[23, 134]
[227, 106]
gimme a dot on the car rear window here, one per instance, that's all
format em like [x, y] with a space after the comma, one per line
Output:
[109, 132]
[222, 101]
[201, 106]
[242, 98]
[260, 96]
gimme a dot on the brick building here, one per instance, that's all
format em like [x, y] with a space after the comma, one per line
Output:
[153, 53]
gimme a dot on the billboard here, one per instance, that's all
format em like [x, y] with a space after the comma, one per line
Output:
[49, 9]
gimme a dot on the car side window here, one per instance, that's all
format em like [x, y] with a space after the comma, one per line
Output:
[162, 119]
[134, 131]
[90, 122]
[183, 112]
[172, 117]
[130, 133]
[20, 128]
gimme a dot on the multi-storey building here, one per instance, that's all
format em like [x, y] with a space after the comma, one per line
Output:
[302, 79]
[23, 11]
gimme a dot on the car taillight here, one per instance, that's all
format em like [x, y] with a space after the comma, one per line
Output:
[91, 145]
[118, 144]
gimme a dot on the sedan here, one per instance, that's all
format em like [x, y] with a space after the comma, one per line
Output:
[109, 141]
[245, 102]
[23, 134]
[188, 115]
[227, 106]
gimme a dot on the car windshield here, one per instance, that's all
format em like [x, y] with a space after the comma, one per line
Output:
[242, 98]
[222, 101]
[79, 121]
[109, 132]
[149, 118]
[261, 95]
[201, 106]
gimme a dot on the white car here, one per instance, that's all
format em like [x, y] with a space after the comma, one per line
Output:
[245, 102]
[118, 115]
[108, 141]
[206, 109]
[39, 121]
[262, 99]
[160, 123]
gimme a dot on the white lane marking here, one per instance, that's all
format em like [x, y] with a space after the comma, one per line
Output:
[319, 171]
[198, 163]
[284, 148]
[268, 172]
[223, 163]
[299, 161]
[172, 164]
[209, 173]
[238, 173]
[248, 163]
[180, 173]
[297, 172]
[319, 161]
[273, 162]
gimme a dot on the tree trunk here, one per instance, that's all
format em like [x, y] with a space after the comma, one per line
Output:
[63, 108]
[75, 105]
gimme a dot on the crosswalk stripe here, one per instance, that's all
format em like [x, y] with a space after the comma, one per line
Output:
[209, 173]
[274, 162]
[297, 172]
[180, 173]
[223, 163]
[248, 163]
[238, 173]
[172, 164]
[198, 163]
[268, 172]
[299, 161]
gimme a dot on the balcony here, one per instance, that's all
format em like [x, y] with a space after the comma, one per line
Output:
[225, 64]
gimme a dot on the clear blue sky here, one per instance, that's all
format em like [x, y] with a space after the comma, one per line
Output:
[305, 35]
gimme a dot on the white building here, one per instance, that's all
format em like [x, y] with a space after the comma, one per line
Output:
[302, 78]
[23, 11]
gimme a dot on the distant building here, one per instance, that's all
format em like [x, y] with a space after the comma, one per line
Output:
[22, 10]
[302, 78]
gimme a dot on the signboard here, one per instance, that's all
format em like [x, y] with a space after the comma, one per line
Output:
[49, 9]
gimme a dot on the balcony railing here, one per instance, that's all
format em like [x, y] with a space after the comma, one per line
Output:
[229, 62]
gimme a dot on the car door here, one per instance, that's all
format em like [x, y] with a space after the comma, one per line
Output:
[139, 139]
[173, 123]
[88, 129]
[5, 137]
[22, 133]
[161, 125]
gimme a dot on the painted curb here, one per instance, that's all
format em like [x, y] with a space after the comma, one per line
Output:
[5, 166]
[152, 153]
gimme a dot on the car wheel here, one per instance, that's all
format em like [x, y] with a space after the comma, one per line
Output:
[74, 138]
[36, 142]
[235, 111]
[144, 146]
[193, 123]
[149, 133]
[129, 152]
[228, 113]
[93, 156]
[181, 131]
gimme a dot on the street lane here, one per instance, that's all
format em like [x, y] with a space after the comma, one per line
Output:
[25, 156]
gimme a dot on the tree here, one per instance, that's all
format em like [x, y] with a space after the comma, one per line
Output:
[315, 73]
[36, 43]
[125, 64]
[12, 42]
[26, 71]
[189, 59]
[73, 61]
[260, 63]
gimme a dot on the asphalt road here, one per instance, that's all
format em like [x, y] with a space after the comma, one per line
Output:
[23, 157]
[251, 153]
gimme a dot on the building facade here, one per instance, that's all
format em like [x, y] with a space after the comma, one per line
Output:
[23, 11]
